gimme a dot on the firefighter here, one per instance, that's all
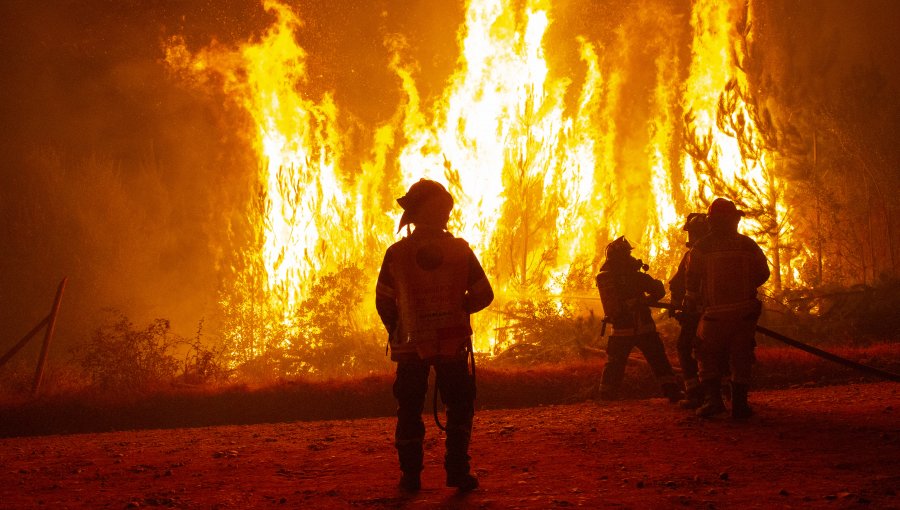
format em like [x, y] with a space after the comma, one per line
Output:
[724, 270]
[429, 284]
[696, 227]
[625, 292]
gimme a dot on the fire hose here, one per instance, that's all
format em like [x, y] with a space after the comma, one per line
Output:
[808, 348]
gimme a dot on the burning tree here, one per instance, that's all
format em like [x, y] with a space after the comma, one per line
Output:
[544, 173]
[739, 157]
[526, 239]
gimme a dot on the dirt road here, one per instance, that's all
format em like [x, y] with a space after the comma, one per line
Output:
[829, 447]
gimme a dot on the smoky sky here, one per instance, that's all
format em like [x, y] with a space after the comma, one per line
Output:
[131, 183]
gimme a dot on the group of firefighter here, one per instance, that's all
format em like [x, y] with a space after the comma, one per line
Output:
[431, 282]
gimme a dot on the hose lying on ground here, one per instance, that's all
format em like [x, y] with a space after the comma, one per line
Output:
[890, 376]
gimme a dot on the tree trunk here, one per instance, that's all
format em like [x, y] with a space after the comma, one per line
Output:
[818, 191]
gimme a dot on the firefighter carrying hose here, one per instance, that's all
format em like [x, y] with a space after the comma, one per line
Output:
[696, 227]
[724, 270]
[429, 284]
[625, 292]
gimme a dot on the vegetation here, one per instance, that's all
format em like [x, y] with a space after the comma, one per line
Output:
[308, 399]
[120, 356]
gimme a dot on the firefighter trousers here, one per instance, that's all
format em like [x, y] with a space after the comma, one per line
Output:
[726, 342]
[617, 351]
[457, 388]
[685, 348]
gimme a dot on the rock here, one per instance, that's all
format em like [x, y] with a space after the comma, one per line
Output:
[723, 475]
[783, 492]
[639, 484]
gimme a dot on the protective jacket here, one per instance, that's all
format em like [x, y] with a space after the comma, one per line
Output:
[677, 283]
[429, 284]
[723, 272]
[624, 293]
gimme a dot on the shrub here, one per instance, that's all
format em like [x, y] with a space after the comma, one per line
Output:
[118, 356]
[204, 364]
[545, 331]
[332, 337]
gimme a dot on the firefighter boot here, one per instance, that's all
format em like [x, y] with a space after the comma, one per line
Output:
[693, 395]
[464, 482]
[410, 482]
[672, 392]
[740, 409]
[456, 461]
[608, 392]
[713, 405]
[411, 456]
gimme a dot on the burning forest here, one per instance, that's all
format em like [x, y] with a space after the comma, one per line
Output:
[237, 165]
[266, 222]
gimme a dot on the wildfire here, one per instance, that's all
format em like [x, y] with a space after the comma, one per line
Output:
[544, 174]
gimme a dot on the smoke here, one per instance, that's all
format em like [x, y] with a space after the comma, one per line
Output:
[113, 175]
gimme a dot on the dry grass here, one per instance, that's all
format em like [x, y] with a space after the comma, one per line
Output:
[307, 399]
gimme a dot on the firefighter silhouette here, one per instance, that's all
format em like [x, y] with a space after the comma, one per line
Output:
[429, 284]
[697, 227]
[724, 270]
[625, 292]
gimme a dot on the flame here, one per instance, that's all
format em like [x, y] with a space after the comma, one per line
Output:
[543, 174]
[744, 165]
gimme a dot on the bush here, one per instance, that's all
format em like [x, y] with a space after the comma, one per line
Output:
[204, 364]
[546, 331]
[120, 357]
[332, 337]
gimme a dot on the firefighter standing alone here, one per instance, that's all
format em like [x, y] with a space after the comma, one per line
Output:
[429, 284]
[724, 270]
[625, 292]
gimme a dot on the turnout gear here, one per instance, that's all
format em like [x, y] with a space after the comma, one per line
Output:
[713, 405]
[431, 275]
[429, 284]
[619, 248]
[697, 227]
[740, 409]
[723, 271]
[625, 292]
[457, 390]
[427, 202]
[693, 394]
[465, 482]
[410, 481]
[723, 208]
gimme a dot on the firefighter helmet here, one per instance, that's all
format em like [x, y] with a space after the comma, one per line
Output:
[427, 201]
[723, 208]
[695, 222]
[618, 249]
[696, 226]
